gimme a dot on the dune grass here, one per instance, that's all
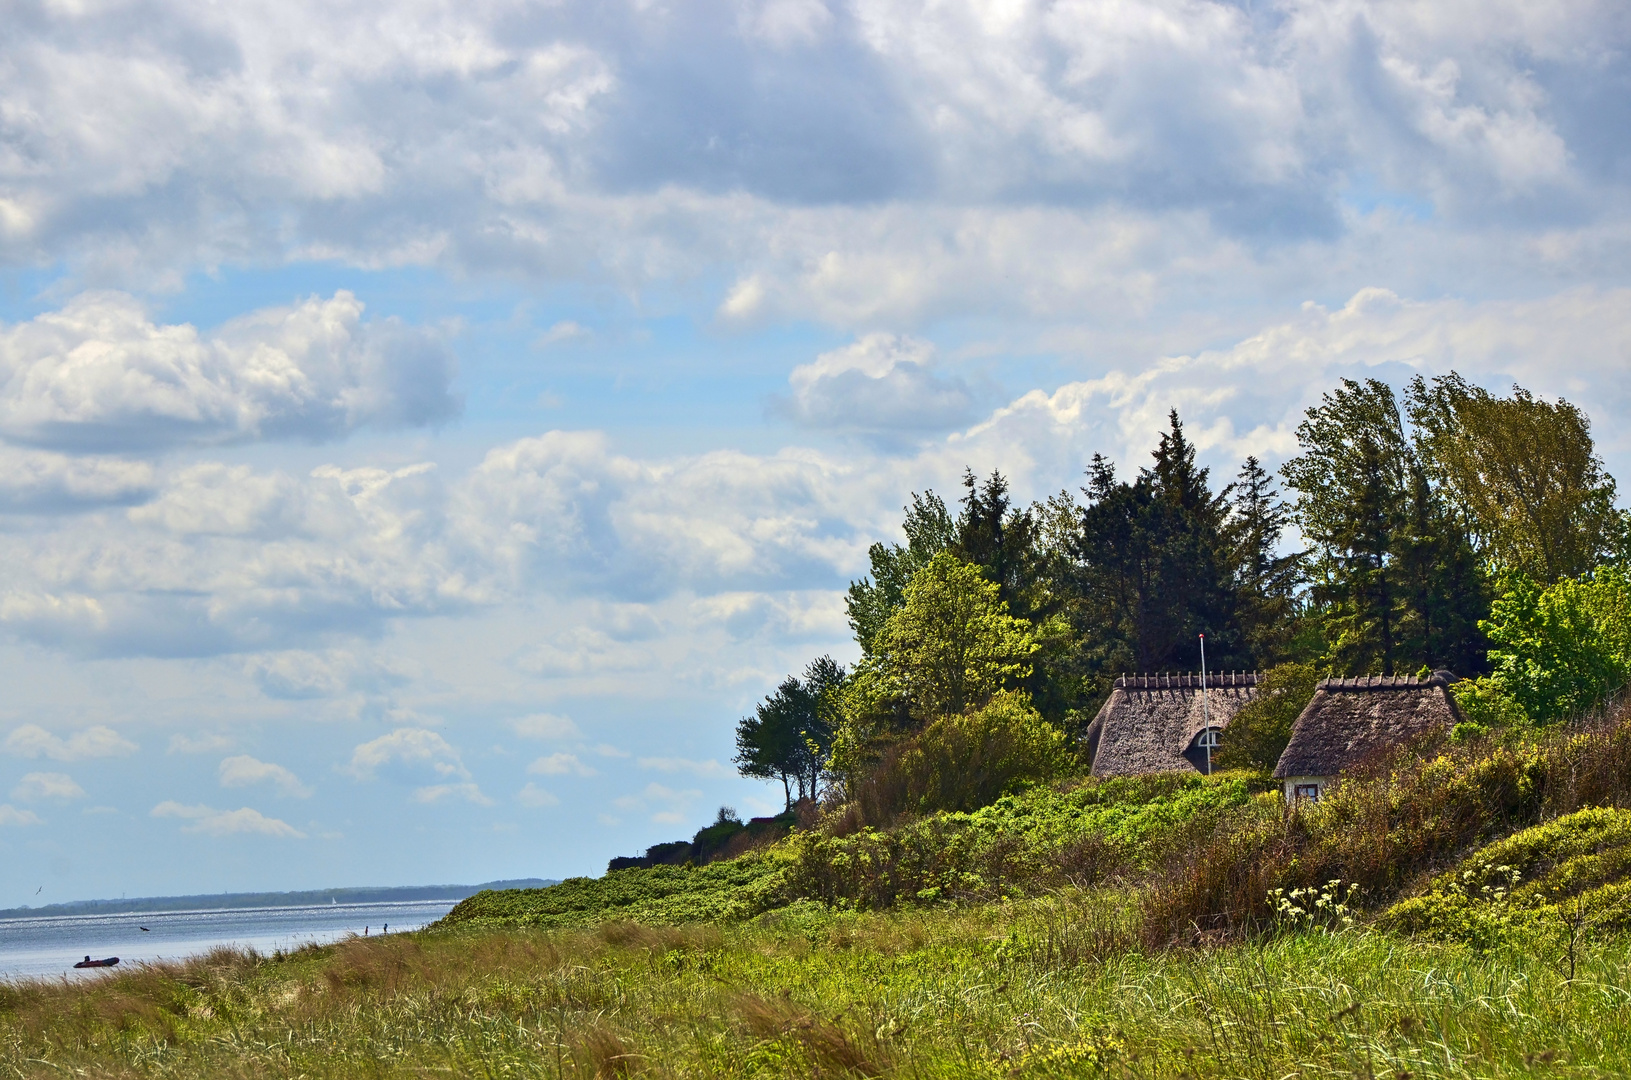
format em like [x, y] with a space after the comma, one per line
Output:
[1055, 986]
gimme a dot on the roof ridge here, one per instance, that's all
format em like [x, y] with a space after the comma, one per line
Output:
[1187, 680]
[1350, 683]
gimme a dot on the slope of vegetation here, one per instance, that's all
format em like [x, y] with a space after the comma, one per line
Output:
[1053, 987]
[657, 895]
[1202, 853]
[1023, 844]
[1569, 877]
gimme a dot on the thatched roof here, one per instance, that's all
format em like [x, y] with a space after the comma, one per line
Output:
[1354, 718]
[1150, 723]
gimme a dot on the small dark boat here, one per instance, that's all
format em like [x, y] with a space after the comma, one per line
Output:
[89, 963]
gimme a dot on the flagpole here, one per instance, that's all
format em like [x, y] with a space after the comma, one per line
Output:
[1206, 715]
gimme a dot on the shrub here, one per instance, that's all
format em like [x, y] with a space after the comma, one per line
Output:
[1384, 827]
[1259, 732]
[966, 762]
[1562, 649]
[1487, 707]
[1023, 843]
[1575, 868]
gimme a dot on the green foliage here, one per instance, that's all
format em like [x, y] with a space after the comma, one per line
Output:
[929, 531]
[1532, 885]
[1561, 649]
[1396, 581]
[1002, 541]
[952, 643]
[1523, 471]
[789, 736]
[1022, 843]
[736, 888]
[1260, 730]
[1383, 827]
[1487, 707]
[964, 762]
[1266, 580]
[1159, 562]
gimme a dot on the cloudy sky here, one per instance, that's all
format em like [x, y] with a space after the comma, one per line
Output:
[426, 428]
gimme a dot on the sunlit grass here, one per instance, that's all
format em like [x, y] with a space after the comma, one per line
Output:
[1047, 987]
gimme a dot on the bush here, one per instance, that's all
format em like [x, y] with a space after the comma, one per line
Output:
[1384, 827]
[737, 888]
[966, 762]
[1259, 732]
[1487, 707]
[1563, 649]
[1023, 843]
[1574, 869]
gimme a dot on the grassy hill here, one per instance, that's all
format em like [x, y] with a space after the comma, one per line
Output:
[1463, 912]
[1203, 855]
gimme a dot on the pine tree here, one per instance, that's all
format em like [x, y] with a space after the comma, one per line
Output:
[1351, 480]
[1154, 567]
[1001, 540]
[1266, 581]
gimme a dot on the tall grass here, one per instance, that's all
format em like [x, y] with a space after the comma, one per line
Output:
[1055, 986]
[1387, 828]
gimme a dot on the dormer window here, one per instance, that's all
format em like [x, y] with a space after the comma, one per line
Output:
[1209, 739]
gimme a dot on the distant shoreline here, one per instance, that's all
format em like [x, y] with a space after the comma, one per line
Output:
[301, 898]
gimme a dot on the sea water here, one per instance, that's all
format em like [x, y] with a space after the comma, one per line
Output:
[48, 947]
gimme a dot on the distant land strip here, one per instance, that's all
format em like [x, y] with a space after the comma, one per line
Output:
[224, 901]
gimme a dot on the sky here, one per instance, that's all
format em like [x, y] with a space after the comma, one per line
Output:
[426, 428]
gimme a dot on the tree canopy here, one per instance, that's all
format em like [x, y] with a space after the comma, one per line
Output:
[1445, 528]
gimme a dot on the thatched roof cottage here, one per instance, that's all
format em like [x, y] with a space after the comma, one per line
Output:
[1159, 723]
[1351, 719]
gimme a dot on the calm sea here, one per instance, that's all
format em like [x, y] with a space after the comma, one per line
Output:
[31, 948]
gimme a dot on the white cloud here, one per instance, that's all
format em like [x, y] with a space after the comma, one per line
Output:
[208, 742]
[559, 764]
[39, 481]
[563, 511]
[243, 771]
[956, 156]
[410, 749]
[563, 331]
[229, 559]
[213, 822]
[536, 797]
[545, 726]
[38, 786]
[783, 22]
[33, 741]
[437, 792]
[686, 765]
[881, 386]
[10, 815]
[99, 374]
[298, 674]
[583, 650]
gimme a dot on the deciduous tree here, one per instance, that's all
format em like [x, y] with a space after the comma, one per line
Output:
[1525, 473]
